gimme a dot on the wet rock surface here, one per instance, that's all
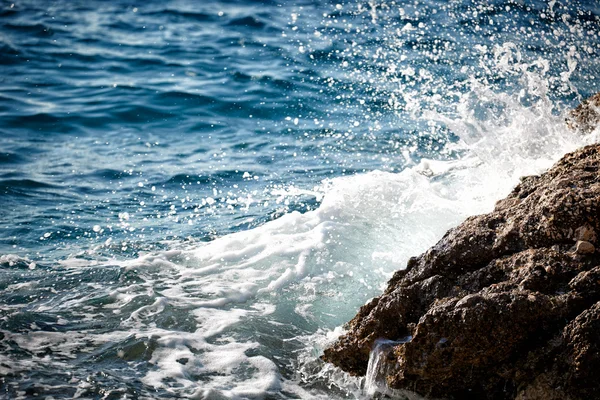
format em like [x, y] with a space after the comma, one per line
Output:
[586, 117]
[504, 306]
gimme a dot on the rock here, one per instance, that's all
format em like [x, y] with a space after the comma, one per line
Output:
[586, 116]
[585, 232]
[583, 247]
[499, 308]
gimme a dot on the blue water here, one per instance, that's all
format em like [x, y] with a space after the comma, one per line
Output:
[195, 195]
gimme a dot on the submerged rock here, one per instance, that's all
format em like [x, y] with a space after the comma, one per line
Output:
[504, 306]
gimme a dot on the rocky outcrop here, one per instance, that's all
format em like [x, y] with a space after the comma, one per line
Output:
[504, 306]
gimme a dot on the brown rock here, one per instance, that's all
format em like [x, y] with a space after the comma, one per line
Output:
[499, 308]
[586, 116]
[583, 247]
[585, 232]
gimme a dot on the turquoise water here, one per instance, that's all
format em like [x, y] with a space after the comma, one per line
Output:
[195, 196]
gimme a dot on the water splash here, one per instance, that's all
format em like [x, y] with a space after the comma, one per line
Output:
[380, 365]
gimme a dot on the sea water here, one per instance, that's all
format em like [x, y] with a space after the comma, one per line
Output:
[195, 196]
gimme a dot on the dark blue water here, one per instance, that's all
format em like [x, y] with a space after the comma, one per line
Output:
[130, 131]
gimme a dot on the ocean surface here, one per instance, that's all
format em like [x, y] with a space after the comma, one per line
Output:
[195, 196]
